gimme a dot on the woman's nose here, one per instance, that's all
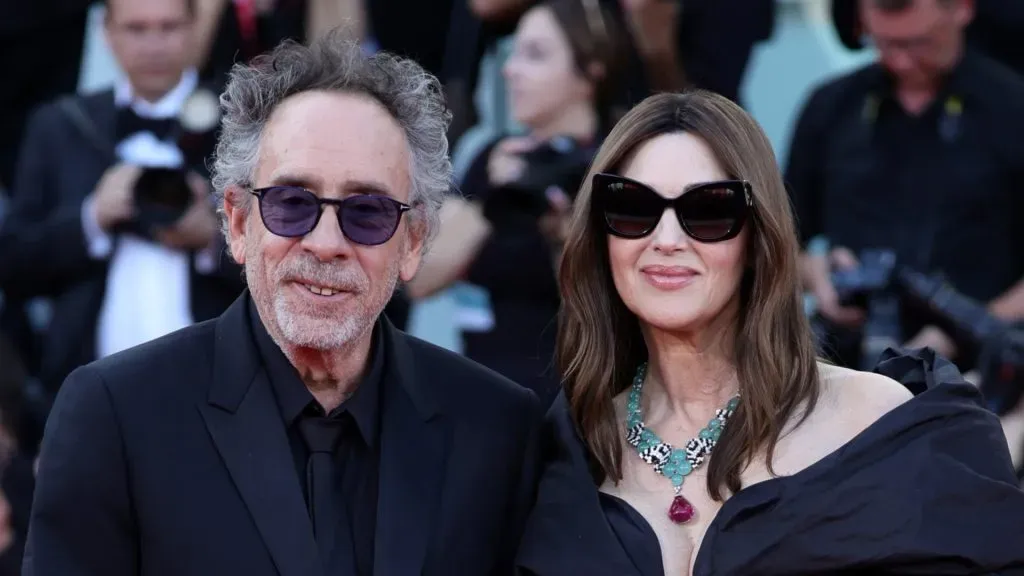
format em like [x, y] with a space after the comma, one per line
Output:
[669, 237]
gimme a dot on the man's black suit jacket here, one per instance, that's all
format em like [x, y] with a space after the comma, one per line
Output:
[171, 459]
[43, 248]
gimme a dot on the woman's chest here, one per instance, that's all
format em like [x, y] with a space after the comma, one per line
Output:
[651, 496]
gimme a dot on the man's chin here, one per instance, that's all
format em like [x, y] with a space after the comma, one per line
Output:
[322, 334]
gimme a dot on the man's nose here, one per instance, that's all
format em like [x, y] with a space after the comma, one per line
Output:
[327, 241]
[898, 60]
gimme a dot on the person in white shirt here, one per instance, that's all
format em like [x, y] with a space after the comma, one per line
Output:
[68, 235]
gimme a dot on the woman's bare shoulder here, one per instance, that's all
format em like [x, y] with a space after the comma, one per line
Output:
[860, 397]
[850, 401]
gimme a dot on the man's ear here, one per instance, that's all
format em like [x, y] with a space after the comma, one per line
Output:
[237, 205]
[415, 242]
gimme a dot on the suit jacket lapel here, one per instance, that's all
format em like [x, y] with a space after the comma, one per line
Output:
[245, 424]
[99, 127]
[413, 460]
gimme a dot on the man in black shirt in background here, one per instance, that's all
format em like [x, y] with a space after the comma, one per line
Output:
[917, 153]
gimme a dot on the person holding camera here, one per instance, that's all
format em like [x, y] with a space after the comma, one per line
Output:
[916, 154]
[111, 218]
[505, 233]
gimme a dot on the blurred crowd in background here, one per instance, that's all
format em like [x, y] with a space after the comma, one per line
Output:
[906, 173]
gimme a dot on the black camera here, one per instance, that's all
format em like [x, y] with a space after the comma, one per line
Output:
[996, 346]
[163, 194]
[855, 286]
[561, 162]
[887, 290]
[867, 286]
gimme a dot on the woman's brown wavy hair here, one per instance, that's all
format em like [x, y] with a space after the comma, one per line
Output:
[599, 340]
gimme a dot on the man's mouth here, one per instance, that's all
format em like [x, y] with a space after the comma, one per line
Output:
[320, 290]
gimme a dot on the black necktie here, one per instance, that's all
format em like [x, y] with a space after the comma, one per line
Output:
[128, 123]
[323, 483]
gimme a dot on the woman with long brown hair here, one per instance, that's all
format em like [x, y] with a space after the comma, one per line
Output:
[698, 432]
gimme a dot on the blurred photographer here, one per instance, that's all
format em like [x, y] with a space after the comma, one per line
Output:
[506, 233]
[110, 216]
[917, 153]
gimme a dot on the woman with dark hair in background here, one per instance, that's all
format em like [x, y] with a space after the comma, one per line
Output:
[699, 433]
[504, 236]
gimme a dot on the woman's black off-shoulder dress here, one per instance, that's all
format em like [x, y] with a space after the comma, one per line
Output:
[927, 489]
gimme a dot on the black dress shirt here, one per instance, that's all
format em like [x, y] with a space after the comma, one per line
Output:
[942, 188]
[358, 452]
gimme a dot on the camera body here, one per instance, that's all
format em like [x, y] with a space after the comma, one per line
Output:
[162, 196]
[869, 287]
[561, 162]
[856, 286]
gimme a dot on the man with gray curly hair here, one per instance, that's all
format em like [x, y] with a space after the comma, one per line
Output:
[300, 433]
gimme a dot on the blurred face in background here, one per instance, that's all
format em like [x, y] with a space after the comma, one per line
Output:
[543, 79]
[151, 40]
[920, 43]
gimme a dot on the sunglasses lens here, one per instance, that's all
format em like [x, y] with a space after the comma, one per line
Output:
[289, 211]
[369, 220]
[629, 209]
[712, 213]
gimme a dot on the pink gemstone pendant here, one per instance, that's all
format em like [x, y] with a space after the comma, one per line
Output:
[681, 511]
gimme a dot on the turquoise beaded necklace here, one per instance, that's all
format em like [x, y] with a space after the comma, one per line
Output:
[672, 463]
